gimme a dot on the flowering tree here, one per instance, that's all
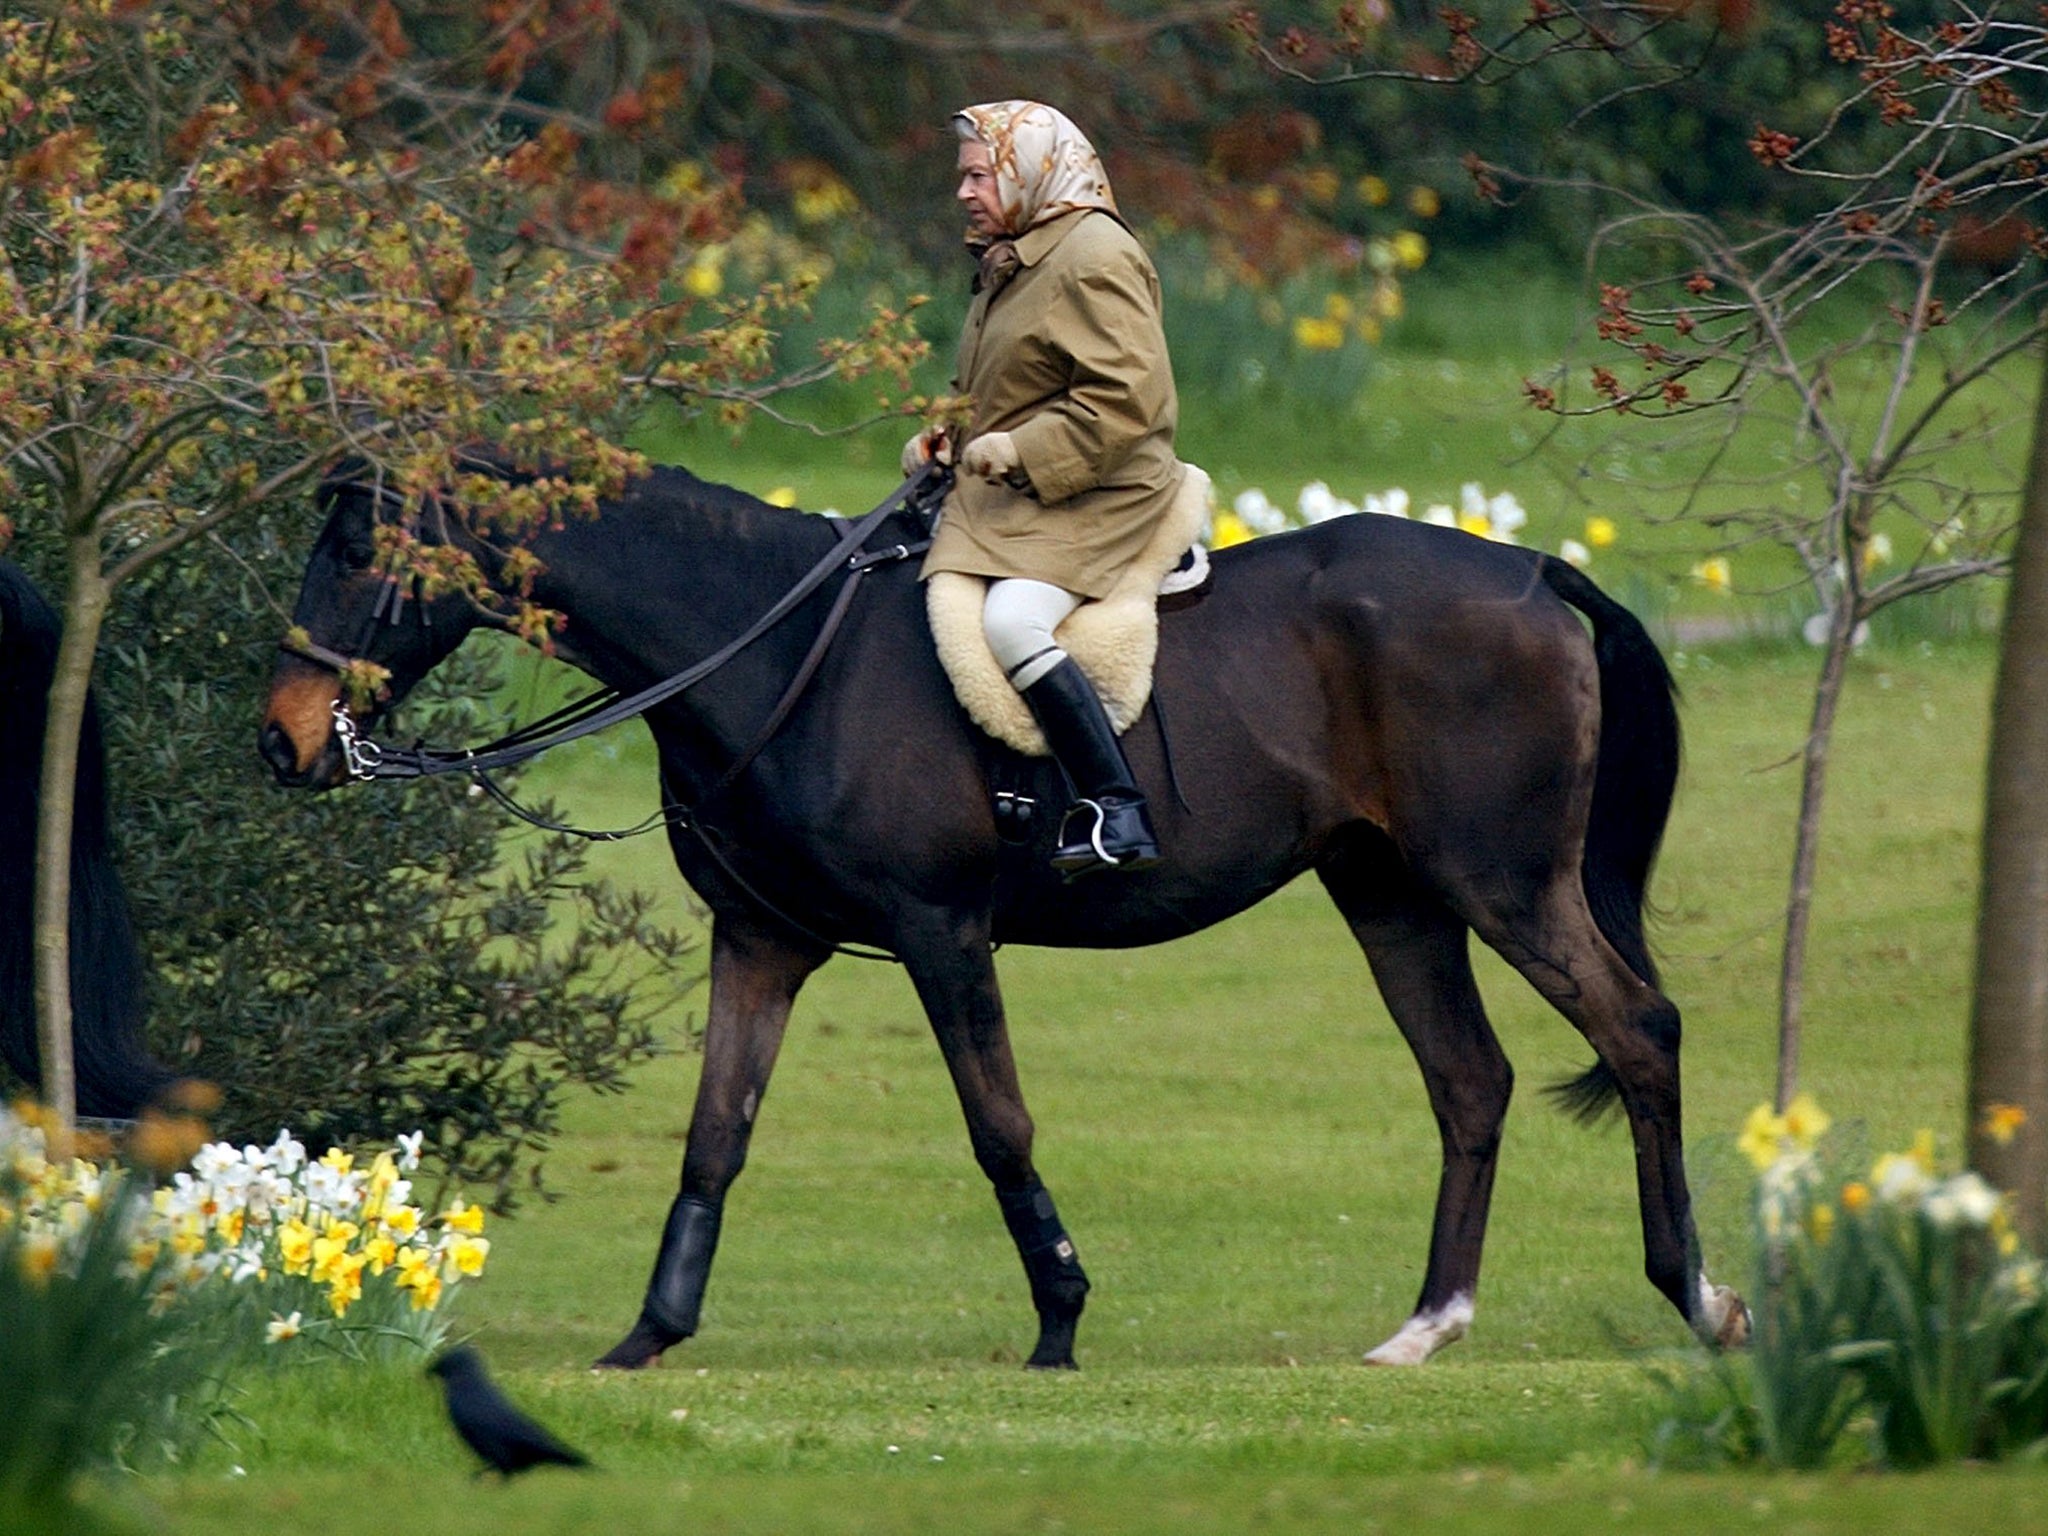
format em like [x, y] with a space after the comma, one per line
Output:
[240, 242]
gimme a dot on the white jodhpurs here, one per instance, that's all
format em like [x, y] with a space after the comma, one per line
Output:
[1019, 618]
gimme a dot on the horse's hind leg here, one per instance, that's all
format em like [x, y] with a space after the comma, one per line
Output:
[1417, 949]
[754, 980]
[950, 965]
[1554, 942]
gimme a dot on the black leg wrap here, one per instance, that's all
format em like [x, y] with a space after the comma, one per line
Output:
[675, 1293]
[1059, 1286]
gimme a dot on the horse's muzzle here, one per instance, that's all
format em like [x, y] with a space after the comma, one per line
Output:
[297, 735]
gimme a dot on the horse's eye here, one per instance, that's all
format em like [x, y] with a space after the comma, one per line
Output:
[357, 556]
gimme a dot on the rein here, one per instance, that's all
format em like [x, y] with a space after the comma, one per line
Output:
[367, 759]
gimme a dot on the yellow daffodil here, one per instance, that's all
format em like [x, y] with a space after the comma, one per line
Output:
[1424, 202]
[1410, 249]
[1318, 333]
[1922, 1150]
[1806, 1122]
[1855, 1196]
[39, 1255]
[463, 1218]
[1339, 308]
[401, 1221]
[345, 1290]
[380, 1251]
[1373, 191]
[1820, 1223]
[2002, 1122]
[466, 1256]
[1715, 574]
[1762, 1138]
[1322, 184]
[338, 1160]
[781, 496]
[1230, 529]
[425, 1286]
[1600, 532]
[295, 1246]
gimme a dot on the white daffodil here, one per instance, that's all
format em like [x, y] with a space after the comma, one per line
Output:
[1506, 514]
[1964, 1198]
[1441, 515]
[1388, 503]
[278, 1329]
[409, 1151]
[1572, 552]
[1257, 512]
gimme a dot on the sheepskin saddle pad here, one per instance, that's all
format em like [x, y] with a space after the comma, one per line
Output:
[1114, 640]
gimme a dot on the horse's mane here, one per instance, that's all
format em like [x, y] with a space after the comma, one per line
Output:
[116, 1074]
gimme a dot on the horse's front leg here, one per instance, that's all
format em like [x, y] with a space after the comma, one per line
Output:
[754, 980]
[950, 965]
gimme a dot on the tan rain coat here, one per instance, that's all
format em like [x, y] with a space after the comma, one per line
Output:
[1068, 357]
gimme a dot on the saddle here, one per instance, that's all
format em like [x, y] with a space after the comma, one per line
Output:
[1114, 641]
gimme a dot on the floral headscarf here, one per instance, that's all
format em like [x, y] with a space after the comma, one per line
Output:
[1044, 165]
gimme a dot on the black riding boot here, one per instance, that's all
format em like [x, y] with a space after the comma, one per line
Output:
[1106, 828]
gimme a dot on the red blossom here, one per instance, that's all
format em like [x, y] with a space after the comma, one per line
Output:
[1542, 399]
[1771, 147]
[1699, 283]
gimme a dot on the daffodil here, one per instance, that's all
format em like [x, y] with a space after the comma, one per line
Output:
[466, 1256]
[1318, 333]
[295, 1246]
[1600, 532]
[1229, 530]
[463, 1218]
[2002, 1122]
[278, 1329]
[1855, 1196]
[1715, 574]
[1763, 1136]
[1805, 1121]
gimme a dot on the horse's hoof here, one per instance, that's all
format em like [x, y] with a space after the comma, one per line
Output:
[1733, 1330]
[1065, 1363]
[637, 1350]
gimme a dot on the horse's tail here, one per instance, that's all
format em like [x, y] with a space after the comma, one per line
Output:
[116, 1075]
[1634, 779]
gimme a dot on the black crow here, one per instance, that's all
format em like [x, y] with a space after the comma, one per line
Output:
[505, 1438]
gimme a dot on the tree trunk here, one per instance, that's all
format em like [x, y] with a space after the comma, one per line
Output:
[85, 608]
[2009, 1017]
[1827, 698]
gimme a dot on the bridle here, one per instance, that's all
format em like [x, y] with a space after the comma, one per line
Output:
[367, 759]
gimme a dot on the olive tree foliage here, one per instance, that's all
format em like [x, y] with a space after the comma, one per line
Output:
[238, 242]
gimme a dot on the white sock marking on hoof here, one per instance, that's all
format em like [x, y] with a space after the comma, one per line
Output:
[1723, 1318]
[1425, 1333]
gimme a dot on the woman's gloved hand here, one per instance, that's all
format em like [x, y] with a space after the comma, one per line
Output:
[926, 446]
[993, 456]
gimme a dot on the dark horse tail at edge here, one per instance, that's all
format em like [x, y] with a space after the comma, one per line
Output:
[1633, 784]
[116, 1074]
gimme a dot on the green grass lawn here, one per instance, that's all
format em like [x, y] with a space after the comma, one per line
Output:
[1244, 1154]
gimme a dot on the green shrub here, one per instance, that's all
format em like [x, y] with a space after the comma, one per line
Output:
[369, 962]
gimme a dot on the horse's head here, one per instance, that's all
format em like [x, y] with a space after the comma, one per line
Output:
[352, 611]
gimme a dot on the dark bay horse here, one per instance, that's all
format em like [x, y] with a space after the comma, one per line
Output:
[116, 1077]
[1457, 736]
